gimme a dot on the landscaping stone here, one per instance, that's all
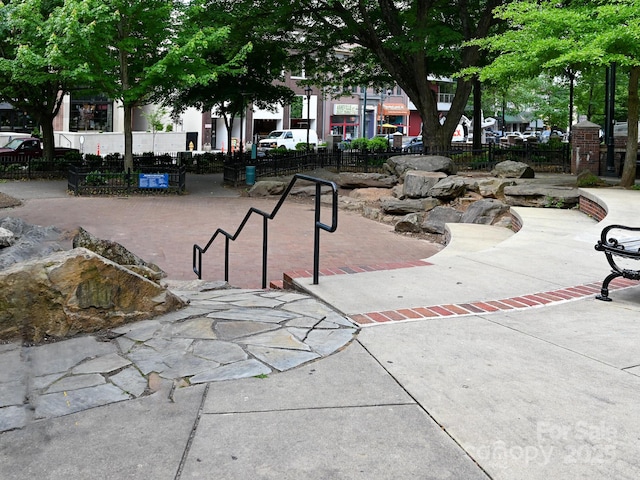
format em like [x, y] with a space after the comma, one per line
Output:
[436, 219]
[417, 184]
[75, 291]
[484, 211]
[429, 163]
[529, 195]
[493, 187]
[395, 206]
[28, 242]
[511, 169]
[350, 180]
[7, 237]
[265, 188]
[373, 194]
[410, 223]
[117, 253]
[448, 188]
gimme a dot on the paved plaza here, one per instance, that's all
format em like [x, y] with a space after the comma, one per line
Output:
[488, 359]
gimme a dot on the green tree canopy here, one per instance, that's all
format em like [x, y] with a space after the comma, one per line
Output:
[551, 36]
[41, 57]
[381, 42]
[252, 57]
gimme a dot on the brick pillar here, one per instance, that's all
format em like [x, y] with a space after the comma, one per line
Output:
[585, 148]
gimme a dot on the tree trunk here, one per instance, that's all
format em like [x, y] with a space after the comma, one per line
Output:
[128, 137]
[436, 134]
[629, 170]
[48, 142]
[477, 114]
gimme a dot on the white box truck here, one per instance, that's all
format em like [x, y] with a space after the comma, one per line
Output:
[288, 138]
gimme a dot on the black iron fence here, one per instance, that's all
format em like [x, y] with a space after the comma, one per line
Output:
[19, 167]
[144, 179]
[541, 157]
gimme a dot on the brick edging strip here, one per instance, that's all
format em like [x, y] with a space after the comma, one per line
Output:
[488, 306]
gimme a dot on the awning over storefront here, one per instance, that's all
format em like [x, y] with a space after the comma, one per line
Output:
[395, 109]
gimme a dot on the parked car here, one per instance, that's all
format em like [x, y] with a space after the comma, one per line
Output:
[547, 134]
[289, 139]
[30, 147]
[413, 145]
[388, 136]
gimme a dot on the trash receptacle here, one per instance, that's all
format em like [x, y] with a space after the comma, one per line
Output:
[251, 175]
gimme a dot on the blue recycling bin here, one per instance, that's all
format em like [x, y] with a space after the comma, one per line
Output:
[251, 175]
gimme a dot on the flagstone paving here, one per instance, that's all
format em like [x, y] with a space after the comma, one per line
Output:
[222, 334]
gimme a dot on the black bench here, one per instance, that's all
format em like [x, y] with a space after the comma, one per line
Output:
[623, 247]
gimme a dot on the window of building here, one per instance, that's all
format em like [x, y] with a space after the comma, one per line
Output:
[12, 120]
[91, 113]
[346, 125]
[298, 73]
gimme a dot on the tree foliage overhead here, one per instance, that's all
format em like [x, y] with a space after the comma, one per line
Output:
[250, 62]
[41, 57]
[379, 42]
[546, 35]
[408, 41]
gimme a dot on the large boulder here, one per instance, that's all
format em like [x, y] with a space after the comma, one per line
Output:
[117, 253]
[484, 212]
[493, 187]
[410, 223]
[371, 194]
[417, 183]
[511, 169]
[529, 195]
[428, 163]
[351, 180]
[7, 238]
[395, 206]
[436, 219]
[448, 188]
[265, 188]
[75, 291]
[26, 241]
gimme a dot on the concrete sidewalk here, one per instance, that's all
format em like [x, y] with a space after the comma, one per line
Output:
[530, 390]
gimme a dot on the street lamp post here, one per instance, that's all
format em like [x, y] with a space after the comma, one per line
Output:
[382, 95]
[307, 90]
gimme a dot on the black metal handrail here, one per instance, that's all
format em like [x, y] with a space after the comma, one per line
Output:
[318, 225]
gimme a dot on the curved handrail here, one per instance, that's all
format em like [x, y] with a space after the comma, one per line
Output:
[198, 251]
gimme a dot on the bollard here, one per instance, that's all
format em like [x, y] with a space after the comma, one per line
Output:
[251, 175]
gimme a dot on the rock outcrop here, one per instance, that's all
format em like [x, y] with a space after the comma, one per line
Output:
[23, 241]
[427, 163]
[541, 196]
[117, 253]
[75, 291]
[349, 180]
[511, 169]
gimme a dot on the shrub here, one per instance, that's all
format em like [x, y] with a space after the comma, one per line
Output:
[73, 157]
[378, 144]
[360, 144]
[95, 178]
[302, 146]
[588, 179]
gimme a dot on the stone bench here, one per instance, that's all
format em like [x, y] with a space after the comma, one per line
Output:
[617, 248]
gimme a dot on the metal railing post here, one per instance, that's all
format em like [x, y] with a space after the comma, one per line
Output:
[318, 225]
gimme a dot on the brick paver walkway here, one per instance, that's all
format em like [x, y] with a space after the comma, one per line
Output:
[163, 230]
